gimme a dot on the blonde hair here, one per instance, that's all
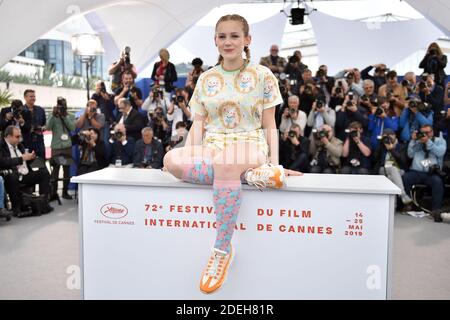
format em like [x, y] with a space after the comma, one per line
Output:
[245, 28]
[164, 55]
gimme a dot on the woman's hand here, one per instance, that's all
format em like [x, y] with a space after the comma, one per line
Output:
[289, 172]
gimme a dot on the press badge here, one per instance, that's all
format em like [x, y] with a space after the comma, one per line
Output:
[64, 137]
[426, 163]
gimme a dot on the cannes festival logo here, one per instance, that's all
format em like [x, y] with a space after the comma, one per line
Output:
[114, 211]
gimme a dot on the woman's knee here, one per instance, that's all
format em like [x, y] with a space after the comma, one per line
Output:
[172, 163]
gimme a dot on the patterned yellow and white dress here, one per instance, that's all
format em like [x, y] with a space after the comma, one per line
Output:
[233, 104]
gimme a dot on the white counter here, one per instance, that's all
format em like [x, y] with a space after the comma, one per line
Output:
[147, 235]
[307, 183]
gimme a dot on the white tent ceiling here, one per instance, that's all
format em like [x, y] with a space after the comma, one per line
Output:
[144, 25]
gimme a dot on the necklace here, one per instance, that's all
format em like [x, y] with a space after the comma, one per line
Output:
[244, 64]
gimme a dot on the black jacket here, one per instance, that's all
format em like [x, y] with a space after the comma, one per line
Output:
[170, 76]
[25, 129]
[6, 161]
[133, 124]
[290, 152]
[155, 159]
[436, 66]
[399, 153]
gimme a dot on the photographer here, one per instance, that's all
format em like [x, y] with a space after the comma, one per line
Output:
[154, 100]
[129, 92]
[427, 153]
[122, 146]
[325, 150]
[92, 151]
[148, 152]
[192, 78]
[409, 82]
[390, 159]
[338, 93]
[356, 151]
[293, 72]
[15, 159]
[35, 140]
[61, 124]
[292, 115]
[353, 78]
[435, 62]
[118, 68]
[273, 61]
[179, 140]
[309, 92]
[415, 115]
[326, 83]
[91, 118]
[369, 99]
[382, 117]
[379, 75]
[395, 92]
[105, 102]
[17, 116]
[432, 94]
[179, 110]
[131, 119]
[164, 73]
[158, 122]
[294, 149]
[321, 114]
[347, 113]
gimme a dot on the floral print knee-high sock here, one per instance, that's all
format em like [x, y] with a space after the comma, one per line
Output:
[200, 171]
[227, 201]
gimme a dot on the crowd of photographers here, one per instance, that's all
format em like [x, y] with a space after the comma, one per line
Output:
[367, 122]
[357, 122]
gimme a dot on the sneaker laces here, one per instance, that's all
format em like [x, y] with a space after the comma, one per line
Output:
[214, 265]
[258, 178]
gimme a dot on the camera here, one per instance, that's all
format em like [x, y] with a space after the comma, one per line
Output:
[17, 113]
[118, 135]
[157, 92]
[350, 99]
[433, 52]
[320, 104]
[436, 169]
[84, 137]
[405, 83]
[351, 133]
[420, 135]
[320, 134]
[320, 73]
[102, 87]
[126, 53]
[386, 140]
[180, 99]
[61, 106]
[308, 90]
[292, 134]
[422, 85]
[379, 111]
[5, 172]
[145, 163]
[17, 109]
[350, 76]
